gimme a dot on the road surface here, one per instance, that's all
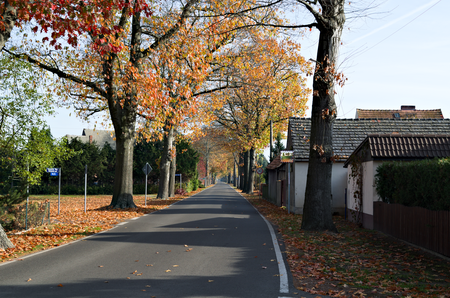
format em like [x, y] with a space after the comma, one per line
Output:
[213, 244]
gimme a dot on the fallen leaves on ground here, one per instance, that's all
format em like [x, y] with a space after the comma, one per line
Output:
[355, 262]
[73, 223]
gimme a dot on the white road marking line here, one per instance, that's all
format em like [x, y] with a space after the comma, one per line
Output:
[284, 283]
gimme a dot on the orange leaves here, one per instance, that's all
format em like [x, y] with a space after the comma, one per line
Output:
[269, 85]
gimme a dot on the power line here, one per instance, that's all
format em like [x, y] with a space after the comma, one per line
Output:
[398, 29]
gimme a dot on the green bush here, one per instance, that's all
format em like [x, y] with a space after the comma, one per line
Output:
[13, 197]
[422, 183]
[200, 184]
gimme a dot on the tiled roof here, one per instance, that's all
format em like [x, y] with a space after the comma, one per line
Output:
[394, 146]
[276, 163]
[348, 134]
[399, 114]
[100, 137]
[410, 146]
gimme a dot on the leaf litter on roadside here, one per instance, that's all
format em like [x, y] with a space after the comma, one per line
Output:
[355, 262]
[73, 223]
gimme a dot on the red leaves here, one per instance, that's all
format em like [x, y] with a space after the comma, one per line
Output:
[74, 18]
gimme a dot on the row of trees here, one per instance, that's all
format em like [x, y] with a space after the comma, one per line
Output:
[101, 163]
[167, 66]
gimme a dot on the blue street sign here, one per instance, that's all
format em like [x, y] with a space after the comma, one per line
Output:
[53, 171]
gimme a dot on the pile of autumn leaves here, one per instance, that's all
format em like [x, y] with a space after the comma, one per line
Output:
[356, 262]
[73, 223]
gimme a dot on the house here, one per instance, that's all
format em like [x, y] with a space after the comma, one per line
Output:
[376, 149]
[348, 134]
[100, 137]
[405, 112]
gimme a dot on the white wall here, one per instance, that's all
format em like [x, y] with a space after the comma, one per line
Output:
[301, 171]
[367, 186]
[338, 185]
[369, 189]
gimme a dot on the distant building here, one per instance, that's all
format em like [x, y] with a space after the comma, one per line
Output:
[405, 112]
[100, 137]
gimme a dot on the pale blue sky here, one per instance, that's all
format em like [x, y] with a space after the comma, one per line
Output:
[398, 57]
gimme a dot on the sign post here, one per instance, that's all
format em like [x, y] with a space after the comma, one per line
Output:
[85, 187]
[146, 169]
[287, 156]
[53, 173]
[59, 191]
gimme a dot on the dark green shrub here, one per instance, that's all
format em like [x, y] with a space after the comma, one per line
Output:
[13, 197]
[422, 183]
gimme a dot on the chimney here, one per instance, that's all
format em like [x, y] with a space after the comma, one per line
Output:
[408, 108]
[90, 139]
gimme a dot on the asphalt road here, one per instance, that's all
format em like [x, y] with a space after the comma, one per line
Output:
[214, 244]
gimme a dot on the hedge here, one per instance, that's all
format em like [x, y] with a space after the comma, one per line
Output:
[421, 183]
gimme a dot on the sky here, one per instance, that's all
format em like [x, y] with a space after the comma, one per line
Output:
[398, 55]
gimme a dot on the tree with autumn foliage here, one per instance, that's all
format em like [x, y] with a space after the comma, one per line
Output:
[328, 17]
[108, 67]
[98, 34]
[268, 72]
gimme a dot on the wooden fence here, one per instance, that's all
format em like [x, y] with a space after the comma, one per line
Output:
[420, 226]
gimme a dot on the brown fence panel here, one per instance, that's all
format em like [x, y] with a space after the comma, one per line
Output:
[425, 228]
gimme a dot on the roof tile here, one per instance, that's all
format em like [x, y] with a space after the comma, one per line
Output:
[349, 133]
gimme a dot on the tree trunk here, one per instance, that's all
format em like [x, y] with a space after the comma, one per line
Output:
[251, 173]
[317, 215]
[166, 158]
[234, 173]
[123, 117]
[207, 169]
[123, 179]
[4, 241]
[246, 171]
[241, 171]
[173, 171]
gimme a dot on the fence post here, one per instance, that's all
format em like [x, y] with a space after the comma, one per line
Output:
[48, 204]
[26, 216]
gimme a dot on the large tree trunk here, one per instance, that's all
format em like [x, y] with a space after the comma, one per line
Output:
[123, 117]
[4, 241]
[317, 213]
[123, 179]
[166, 158]
[9, 17]
[251, 173]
